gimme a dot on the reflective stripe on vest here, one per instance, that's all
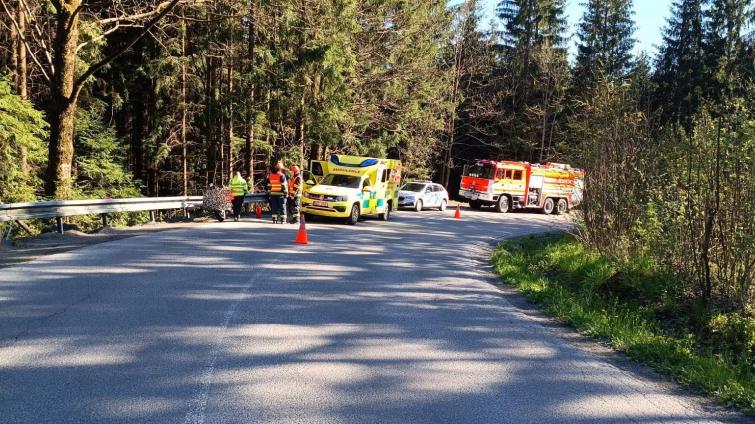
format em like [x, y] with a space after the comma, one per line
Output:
[275, 183]
[294, 186]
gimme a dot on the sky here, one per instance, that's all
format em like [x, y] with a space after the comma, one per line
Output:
[650, 18]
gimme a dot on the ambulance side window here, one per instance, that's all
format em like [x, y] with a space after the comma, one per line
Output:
[385, 175]
[498, 174]
[317, 169]
[517, 175]
[508, 174]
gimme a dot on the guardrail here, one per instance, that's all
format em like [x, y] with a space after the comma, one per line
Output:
[63, 208]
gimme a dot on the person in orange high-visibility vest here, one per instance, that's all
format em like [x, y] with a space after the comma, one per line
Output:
[294, 195]
[277, 188]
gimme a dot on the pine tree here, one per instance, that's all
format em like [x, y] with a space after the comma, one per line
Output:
[535, 59]
[531, 23]
[605, 41]
[21, 128]
[726, 48]
[680, 70]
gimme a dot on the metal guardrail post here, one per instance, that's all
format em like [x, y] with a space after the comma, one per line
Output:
[10, 230]
[59, 224]
[105, 220]
[152, 216]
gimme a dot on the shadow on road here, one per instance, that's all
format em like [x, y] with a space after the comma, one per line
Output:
[382, 322]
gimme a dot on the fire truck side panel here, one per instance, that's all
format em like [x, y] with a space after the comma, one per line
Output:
[526, 185]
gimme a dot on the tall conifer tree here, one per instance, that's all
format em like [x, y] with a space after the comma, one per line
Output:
[605, 41]
[681, 71]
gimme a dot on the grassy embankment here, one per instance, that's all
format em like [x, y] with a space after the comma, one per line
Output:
[637, 311]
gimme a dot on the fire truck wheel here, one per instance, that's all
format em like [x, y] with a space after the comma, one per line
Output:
[549, 206]
[418, 205]
[502, 205]
[354, 215]
[475, 204]
[561, 207]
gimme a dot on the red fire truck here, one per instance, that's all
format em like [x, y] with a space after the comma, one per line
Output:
[508, 185]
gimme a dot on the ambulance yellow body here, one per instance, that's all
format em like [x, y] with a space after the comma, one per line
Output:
[350, 187]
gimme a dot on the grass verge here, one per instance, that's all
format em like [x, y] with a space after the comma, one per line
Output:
[577, 285]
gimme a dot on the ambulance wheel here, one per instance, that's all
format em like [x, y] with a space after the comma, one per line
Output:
[549, 206]
[418, 205]
[475, 204]
[561, 207]
[385, 216]
[502, 205]
[443, 205]
[354, 215]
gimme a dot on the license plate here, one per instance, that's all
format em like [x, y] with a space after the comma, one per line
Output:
[321, 204]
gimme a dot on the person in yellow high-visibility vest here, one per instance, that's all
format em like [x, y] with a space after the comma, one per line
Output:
[238, 188]
[277, 188]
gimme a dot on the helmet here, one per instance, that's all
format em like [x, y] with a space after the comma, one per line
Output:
[278, 166]
[294, 169]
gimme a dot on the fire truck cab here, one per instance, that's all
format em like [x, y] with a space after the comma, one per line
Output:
[509, 185]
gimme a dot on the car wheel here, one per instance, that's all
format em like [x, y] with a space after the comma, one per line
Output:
[475, 204]
[354, 215]
[443, 204]
[561, 207]
[387, 214]
[418, 205]
[503, 204]
[548, 206]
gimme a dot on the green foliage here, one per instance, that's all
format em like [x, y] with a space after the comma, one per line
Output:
[22, 133]
[101, 158]
[736, 332]
[570, 281]
[101, 168]
[605, 42]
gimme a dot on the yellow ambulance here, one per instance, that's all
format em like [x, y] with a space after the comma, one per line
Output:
[352, 186]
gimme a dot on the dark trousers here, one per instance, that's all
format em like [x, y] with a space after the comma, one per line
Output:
[278, 205]
[238, 203]
[294, 203]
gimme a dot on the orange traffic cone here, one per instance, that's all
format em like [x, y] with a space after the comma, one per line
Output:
[457, 215]
[258, 211]
[301, 235]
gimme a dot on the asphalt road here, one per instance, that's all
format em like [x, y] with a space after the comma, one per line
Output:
[384, 322]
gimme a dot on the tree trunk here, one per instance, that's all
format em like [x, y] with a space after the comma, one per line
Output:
[21, 66]
[249, 147]
[62, 107]
[229, 133]
[21, 72]
[184, 153]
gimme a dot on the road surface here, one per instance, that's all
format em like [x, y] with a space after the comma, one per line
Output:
[384, 322]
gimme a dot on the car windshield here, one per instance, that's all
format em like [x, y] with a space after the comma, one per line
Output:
[416, 187]
[338, 180]
[479, 170]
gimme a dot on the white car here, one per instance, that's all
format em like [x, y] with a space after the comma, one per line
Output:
[420, 195]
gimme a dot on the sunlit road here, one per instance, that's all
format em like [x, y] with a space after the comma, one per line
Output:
[384, 322]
